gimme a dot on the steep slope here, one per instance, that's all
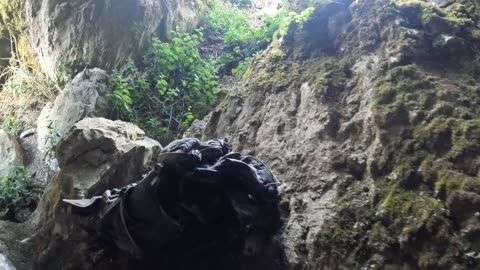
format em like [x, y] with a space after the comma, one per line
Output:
[368, 114]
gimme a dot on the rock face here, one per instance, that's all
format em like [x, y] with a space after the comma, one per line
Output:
[97, 154]
[81, 98]
[10, 153]
[101, 34]
[372, 132]
[33, 159]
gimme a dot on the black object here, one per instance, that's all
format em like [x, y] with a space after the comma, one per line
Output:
[199, 198]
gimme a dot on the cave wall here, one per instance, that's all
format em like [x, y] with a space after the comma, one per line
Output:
[103, 34]
[372, 130]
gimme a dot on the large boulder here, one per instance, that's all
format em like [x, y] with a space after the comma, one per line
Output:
[96, 154]
[103, 34]
[10, 153]
[81, 98]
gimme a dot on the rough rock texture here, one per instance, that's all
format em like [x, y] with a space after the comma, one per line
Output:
[368, 115]
[11, 248]
[33, 158]
[99, 154]
[81, 98]
[10, 153]
[101, 34]
[5, 264]
[96, 154]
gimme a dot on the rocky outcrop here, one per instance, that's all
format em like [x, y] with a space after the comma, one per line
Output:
[101, 34]
[10, 153]
[372, 132]
[96, 154]
[33, 158]
[83, 97]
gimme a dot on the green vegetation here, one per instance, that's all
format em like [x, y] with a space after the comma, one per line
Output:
[177, 86]
[25, 89]
[11, 15]
[241, 40]
[17, 190]
[294, 17]
[178, 83]
[13, 125]
[461, 15]
[52, 140]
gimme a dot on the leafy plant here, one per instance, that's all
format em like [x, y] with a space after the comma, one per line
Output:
[51, 140]
[241, 39]
[121, 95]
[177, 86]
[294, 17]
[242, 66]
[13, 125]
[17, 190]
[67, 69]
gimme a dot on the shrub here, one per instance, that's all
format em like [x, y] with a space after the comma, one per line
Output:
[178, 85]
[13, 125]
[240, 38]
[17, 190]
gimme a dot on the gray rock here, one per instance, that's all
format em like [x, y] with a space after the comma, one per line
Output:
[81, 98]
[100, 154]
[100, 33]
[96, 154]
[295, 134]
[5, 263]
[33, 159]
[10, 153]
[438, 2]
[196, 129]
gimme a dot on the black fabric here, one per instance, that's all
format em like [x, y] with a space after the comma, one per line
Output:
[199, 198]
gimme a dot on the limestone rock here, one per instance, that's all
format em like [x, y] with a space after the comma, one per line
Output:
[81, 98]
[97, 154]
[104, 34]
[10, 153]
[33, 159]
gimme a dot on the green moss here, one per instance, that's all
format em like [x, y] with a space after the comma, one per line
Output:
[333, 244]
[257, 118]
[466, 138]
[12, 15]
[402, 209]
[447, 182]
[438, 20]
